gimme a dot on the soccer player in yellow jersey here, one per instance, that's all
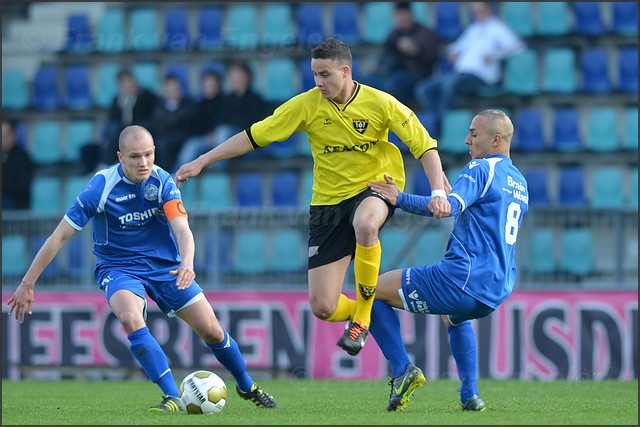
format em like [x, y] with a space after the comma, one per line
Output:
[348, 128]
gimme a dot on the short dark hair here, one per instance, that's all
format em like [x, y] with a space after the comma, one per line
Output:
[403, 5]
[333, 49]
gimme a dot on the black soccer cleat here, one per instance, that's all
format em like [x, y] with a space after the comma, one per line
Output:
[403, 387]
[354, 338]
[261, 398]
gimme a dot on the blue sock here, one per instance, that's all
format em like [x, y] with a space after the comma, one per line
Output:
[462, 341]
[154, 362]
[228, 354]
[385, 329]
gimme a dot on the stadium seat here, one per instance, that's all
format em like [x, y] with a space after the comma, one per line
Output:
[429, 247]
[346, 22]
[395, 242]
[79, 33]
[453, 133]
[521, 75]
[278, 27]
[538, 185]
[448, 23]
[249, 189]
[577, 251]
[421, 12]
[15, 89]
[594, 70]
[519, 17]
[377, 21]
[601, 133]
[428, 120]
[80, 132]
[45, 146]
[284, 188]
[281, 80]
[214, 191]
[559, 72]
[542, 259]
[210, 24]
[181, 70]
[606, 185]
[283, 149]
[54, 269]
[71, 188]
[624, 19]
[45, 194]
[177, 36]
[628, 70]
[566, 135]
[630, 129]
[419, 182]
[553, 19]
[148, 75]
[529, 130]
[240, 26]
[217, 256]
[144, 29]
[289, 253]
[105, 83]
[310, 24]
[306, 187]
[250, 252]
[78, 87]
[304, 149]
[46, 95]
[306, 76]
[571, 186]
[633, 188]
[588, 18]
[14, 255]
[111, 33]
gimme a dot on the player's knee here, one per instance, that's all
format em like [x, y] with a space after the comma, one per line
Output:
[131, 321]
[366, 229]
[213, 334]
[322, 310]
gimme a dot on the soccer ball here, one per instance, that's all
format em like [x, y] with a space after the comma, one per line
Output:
[203, 392]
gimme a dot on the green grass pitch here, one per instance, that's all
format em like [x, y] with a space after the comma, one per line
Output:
[315, 402]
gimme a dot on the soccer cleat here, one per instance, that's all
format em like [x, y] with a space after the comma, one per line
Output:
[403, 387]
[169, 404]
[474, 403]
[261, 398]
[355, 335]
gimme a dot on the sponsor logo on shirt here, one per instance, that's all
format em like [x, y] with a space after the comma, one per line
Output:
[473, 164]
[125, 197]
[138, 216]
[342, 148]
[151, 192]
[360, 125]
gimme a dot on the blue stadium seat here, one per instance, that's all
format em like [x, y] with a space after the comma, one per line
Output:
[588, 18]
[553, 19]
[284, 188]
[214, 191]
[240, 26]
[54, 269]
[529, 130]
[542, 259]
[71, 188]
[46, 95]
[15, 89]
[148, 75]
[633, 188]
[289, 252]
[78, 87]
[180, 70]
[144, 29]
[624, 18]
[377, 21]
[566, 130]
[571, 186]
[79, 33]
[217, 256]
[250, 252]
[105, 83]
[45, 147]
[594, 70]
[429, 247]
[519, 17]
[278, 27]
[559, 72]
[111, 33]
[283, 149]
[521, 73]
[45, 194]
[607, 187]
[628, 69]
[210, 24]
[428, 120]
[453, 132]
[281, 80]
[79, 133]
[419, 183]
[577, 251]
[346, 22]
[448, 23]
[249, 189]
[310, 24]
[14, 255]
[630, 129]
[601, 133]
[306, 76]
[177, 36]
[538, 185]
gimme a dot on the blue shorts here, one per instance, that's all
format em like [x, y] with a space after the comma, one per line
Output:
[425, 290]
[157, 283]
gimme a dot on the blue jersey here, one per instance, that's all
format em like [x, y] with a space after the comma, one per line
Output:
[129, 224]
[489, 200]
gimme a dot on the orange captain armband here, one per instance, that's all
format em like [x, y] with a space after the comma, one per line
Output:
[174, 208]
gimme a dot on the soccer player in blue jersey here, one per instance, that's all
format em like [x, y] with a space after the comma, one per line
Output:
[143, 245]
[478, 271]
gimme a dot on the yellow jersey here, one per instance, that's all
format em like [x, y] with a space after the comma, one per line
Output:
[349, 142]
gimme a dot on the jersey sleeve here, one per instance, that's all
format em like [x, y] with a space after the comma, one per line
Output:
[86, 203]
[471, 183]
[285, 120]
[406, 125]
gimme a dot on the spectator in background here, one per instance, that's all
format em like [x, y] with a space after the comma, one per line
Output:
[172, 122]
[409, 55]
[17, 170]
[476, 58]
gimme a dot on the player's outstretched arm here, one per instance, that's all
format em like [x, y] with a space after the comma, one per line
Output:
[186, 247]
[21, 301]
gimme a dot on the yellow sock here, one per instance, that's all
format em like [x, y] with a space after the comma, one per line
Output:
[366, 266]
[346, 308]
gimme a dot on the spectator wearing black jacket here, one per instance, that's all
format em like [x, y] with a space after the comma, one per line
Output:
[17, 170]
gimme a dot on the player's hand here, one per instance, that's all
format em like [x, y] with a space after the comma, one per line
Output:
[439, 207]
[388, 190]
[21, 302]
[186, 275]
[188, 170]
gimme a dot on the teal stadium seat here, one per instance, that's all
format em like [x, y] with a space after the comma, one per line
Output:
[71, 188]
[559, 73]
[111, 33]
[521, 76]
[306, 187]
[79, 133]
[278, 27]
[15, 89]
[289, 252]
[250, 251]
[241, 25]
[45, 147]
[394, 242]
[105, 83]
[454, 132]
[421, 13]
[607, 187]
[14, 256]
[519, 17]
[429, 247]
[214, 191]
[144, 29]
[45, 195]
[542, 259]
[633, 188]
[602, 130]
[630, 129]
[148, 75]
[281, 80]
[554, 19]
[577, 251]
[377, 21]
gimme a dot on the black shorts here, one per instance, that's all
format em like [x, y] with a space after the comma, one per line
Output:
[331, 233]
